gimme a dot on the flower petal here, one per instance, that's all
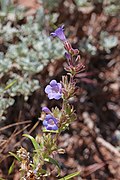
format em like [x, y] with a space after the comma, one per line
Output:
[53, 34]
[57, 96]
[45, 123]
[51, 96]
[48, 89]
[55, 127]
[53, 82]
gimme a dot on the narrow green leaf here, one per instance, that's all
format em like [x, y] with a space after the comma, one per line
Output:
[11, 168]
[13, 154]
[53, 161]
[70, 176]
[34, 142]
[11, 84]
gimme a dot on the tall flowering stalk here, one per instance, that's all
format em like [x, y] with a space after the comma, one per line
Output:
[67, 87]
[54, 121]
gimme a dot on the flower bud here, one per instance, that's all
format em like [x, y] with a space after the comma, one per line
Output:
[46, 110]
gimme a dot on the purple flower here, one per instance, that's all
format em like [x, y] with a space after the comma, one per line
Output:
[50, 123]
[46, 110]
[59, 33]
[54, 90]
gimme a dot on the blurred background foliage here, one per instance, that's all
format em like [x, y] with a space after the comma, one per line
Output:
[25, 49]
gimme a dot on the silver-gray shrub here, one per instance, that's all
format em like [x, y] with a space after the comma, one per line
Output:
[110, 7]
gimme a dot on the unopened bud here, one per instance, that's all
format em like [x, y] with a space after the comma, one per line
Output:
[46, 110]
[67, 46]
